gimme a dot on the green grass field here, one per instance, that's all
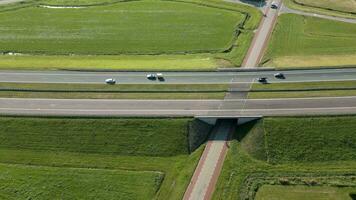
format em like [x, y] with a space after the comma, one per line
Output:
[90, 158]
[289, 151]
[300, 41]
[187, 35]
[269, 192]
[338, 8]
[303, 89]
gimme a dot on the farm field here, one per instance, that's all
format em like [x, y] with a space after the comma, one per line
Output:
[133, 35]
[339, 8]
[304, 89]
[294, 152]
[104, 91]
[303, 192]
[300, 41]
[130, 158]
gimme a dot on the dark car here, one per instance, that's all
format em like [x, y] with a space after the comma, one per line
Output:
[279, 75]
[274, 5]
[262, 80]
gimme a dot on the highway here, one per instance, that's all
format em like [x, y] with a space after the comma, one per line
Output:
[175, 77]
[242, 107]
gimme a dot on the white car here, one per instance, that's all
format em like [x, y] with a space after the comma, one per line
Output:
[151, 76]
[160, 76]
[110, 81]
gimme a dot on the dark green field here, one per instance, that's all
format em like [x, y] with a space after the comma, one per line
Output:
[88, 158]
[290, 151]
[213, 32]
[300, 41]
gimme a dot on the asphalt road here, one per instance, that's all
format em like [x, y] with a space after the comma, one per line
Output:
[248, 107]
[175, 77]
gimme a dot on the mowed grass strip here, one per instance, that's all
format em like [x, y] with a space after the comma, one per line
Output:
[34, 182]
[278, 192]
[302, 90]
[301, 36]
[137, 27]
[116, 88]
[115, 95]
[145, 137]
[199, 62]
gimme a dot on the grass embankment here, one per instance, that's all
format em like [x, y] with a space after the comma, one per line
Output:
[95, 158]
[300, 41]
[302, 90]
[301, 151]
[135, 35]
[118, 91]
[338, 8]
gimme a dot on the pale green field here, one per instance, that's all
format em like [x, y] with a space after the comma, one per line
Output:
[277, 192]
[300, 41]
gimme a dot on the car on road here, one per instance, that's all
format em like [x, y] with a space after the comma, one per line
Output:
[262, 80]
[110, 81]
[279, 75]
[274, 5]
[151, 76]
[160, 76]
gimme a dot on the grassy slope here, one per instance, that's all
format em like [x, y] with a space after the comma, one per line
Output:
[310, 139]
[285, 138]
[338, 8]
[48, 145]
[298, 36]
[147, 137]
[303, 192]
[157, 62]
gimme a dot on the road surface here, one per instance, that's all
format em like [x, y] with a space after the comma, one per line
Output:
[285, 9]
[9, 1]
[238, 107]
[175, 77]
[262, 35]
[202, 184]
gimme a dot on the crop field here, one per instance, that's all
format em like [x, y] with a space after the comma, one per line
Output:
[279, 156]
[117, 32]
[304, 192]
[300, 41]
[91, 158]
[340, 8]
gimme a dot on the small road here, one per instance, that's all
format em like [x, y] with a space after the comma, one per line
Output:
[262, 35]
[175, 77]
[206, 174]
[285, 9]
[9, 1]
[235, 107]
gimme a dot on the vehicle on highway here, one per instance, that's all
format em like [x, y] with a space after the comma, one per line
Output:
[279, 75]
[160, 76]
[151, 76]
[274, 5]
[262, 80]
[110, 81]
